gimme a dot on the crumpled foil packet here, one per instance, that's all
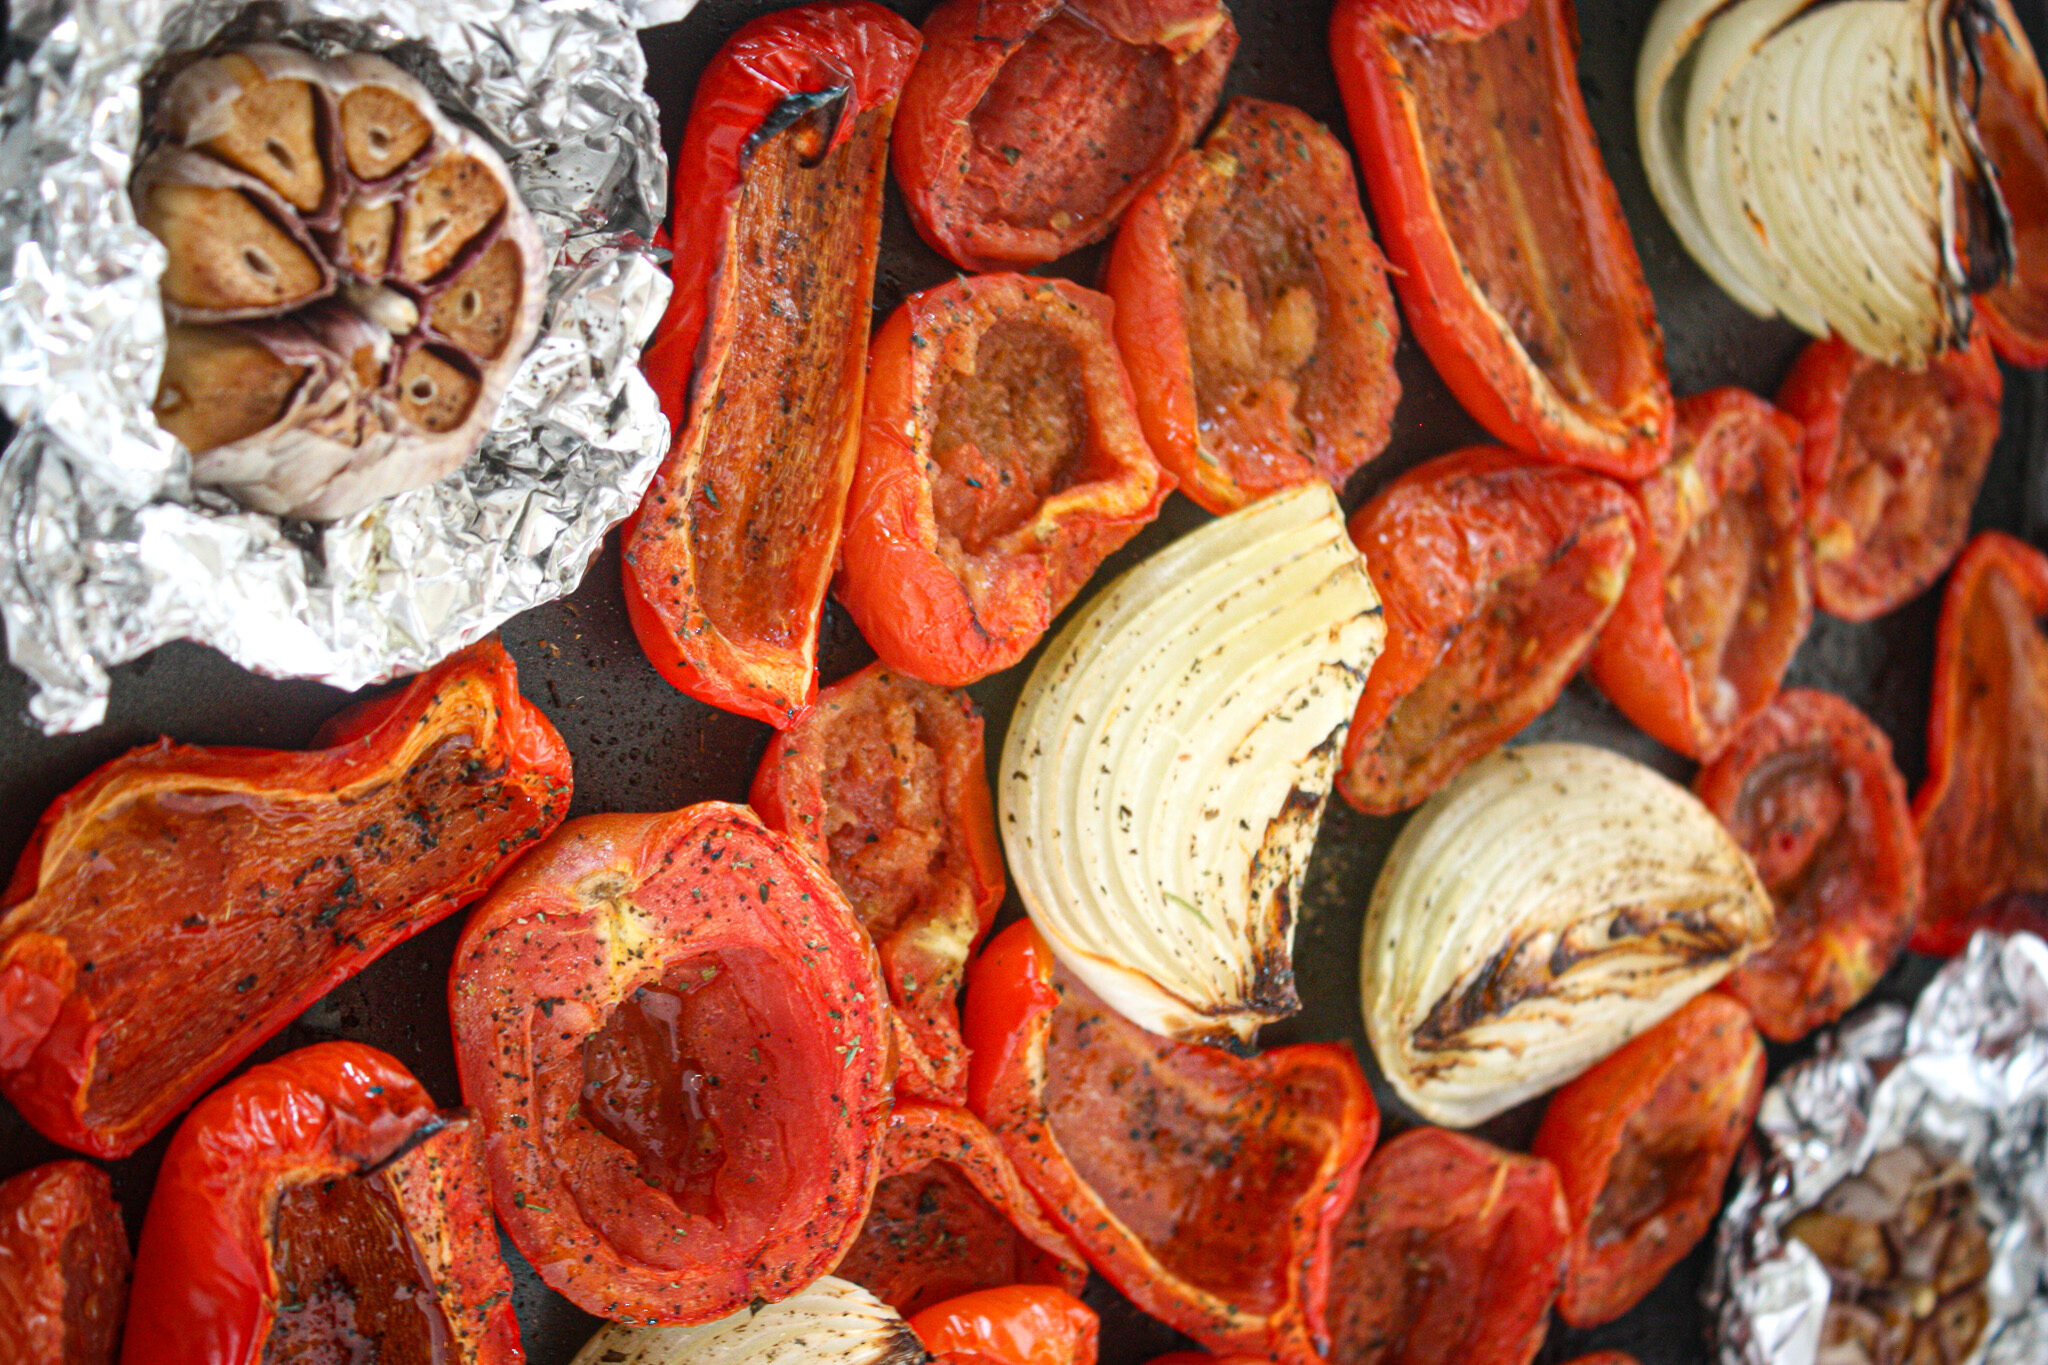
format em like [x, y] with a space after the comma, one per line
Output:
[109, 552]
[1965, 1075]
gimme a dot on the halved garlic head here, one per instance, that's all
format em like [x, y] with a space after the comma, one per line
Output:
[352, 278]
[1167, 765]
[1548, 905]
[830, 1323]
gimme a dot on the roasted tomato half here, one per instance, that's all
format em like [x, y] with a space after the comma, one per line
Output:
[181, 905]
[1450, 1255]
[1496, 574]
[1809, 790]
[950, 1217]
[1203, 1185]
[2011, 106]
[1000, 463]
[1721, 592]
[762, 357]
[1253, 312]
[1643, 1142]
[1983, 811]
[63, 1266]
[1029, 125]
[1511, 255]
[319, 1207]
[1893, 462]
[673, 1029]
[884, 782]
[1024, 1324]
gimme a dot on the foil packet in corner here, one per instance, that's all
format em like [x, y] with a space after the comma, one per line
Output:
[1961, 1080]
[109, 550]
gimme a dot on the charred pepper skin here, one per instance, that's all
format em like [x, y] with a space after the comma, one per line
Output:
[761, 359]
[239, 885]
[64, 1266]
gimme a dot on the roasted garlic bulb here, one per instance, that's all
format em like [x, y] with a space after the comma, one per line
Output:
[352, 278]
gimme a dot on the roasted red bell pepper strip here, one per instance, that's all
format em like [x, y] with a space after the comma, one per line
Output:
[1892, 465]
[1451, 1255]
[1023, 1324]
[1809, 790]
[1511, 255]
[950, 1217]
[1001, 461]
[1643, 1143]
[181, 905]
[2012, 124]
[761, 358]
[1982, 813]
[1029, 125]
[1496, 574]
[1721, 592]
[884, 782]
[672, 1028]
[1252, 309]
[1204, 1186]
[320, 1207]
[63, 1266]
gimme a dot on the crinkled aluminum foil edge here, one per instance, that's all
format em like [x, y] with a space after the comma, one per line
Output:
[109, 553]
[1966, 1074]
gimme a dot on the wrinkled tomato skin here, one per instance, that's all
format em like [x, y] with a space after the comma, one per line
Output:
[749, 1175]
[1484, 1230]
[1723, 574]
[326, 1113]
[183, 904]
[1264, 219]
[877, 736]
[1983, 832]
[63, 1266]
[954, 574]
[1548, 244]
[1016, 106]
[1684, 1093]
[1254, 1158]
[1892, 465]
[1489, 564]
[759, 361]
[1003, 1240]
[1014, 1325]
[1809, 789]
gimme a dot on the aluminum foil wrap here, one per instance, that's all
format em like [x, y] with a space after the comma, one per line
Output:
[110, 552]
[1965, 1076]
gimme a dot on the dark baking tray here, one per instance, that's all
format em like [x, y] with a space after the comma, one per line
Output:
[641, 746]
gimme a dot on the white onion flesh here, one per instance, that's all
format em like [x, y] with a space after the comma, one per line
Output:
[1548, 905]
[1167, 766]
[1818, 160]
[830, 1323]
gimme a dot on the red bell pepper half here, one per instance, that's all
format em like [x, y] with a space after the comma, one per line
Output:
[1029, 125]
[762, 355]
[181, 904]
[1252, 309]
[950, 1217]
[1496, 574]
[1451, 1255]
[320, 1207]
[63, 1266]
[1643, 1142]
[1510, 252]
[1809, 790]
[1892, 465]
[1983, 811]
[885, 784]
[673, 1030]
[1203, 1185]
[1721, 592]
[1023, 1324]
[1000, 462]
